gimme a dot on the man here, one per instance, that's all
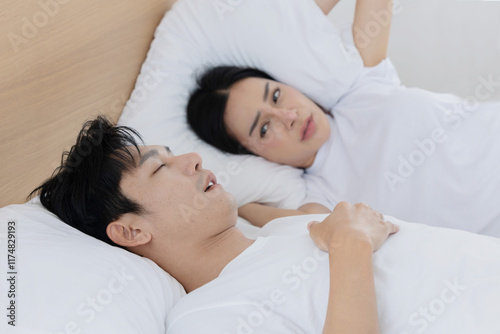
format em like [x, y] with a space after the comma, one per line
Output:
[172, 211]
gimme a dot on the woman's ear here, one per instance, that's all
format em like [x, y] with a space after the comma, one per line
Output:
[128, 231]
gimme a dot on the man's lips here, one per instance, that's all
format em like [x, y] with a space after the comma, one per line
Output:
[210, 182]
[308, 128]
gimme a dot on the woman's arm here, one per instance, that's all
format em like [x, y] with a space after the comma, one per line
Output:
[371, 29]
[260, 214]
[350, 235]
[326, 5]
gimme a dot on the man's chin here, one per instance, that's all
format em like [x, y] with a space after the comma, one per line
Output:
[234, 202]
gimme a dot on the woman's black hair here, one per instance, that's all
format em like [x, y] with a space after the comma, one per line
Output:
[206, 106]
[84, 192]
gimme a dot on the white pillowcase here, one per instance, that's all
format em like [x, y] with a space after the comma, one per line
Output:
[292, 40]
[67, 281]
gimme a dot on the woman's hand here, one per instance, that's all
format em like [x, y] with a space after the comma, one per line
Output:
[352, 222]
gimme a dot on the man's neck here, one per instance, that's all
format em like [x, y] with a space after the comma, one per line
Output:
[206, 261]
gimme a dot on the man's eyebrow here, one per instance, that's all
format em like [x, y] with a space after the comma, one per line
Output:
[254, 124]
[168, 150]
[147, 155]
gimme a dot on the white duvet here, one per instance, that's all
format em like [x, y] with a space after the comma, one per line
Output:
[437, 280]
[429, 279]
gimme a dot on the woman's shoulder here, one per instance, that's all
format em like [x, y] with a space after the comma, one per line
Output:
[375, 80]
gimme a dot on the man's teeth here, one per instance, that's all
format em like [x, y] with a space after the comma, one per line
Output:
[210, 184]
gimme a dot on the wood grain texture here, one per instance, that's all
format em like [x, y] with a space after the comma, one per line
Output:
[62, 63]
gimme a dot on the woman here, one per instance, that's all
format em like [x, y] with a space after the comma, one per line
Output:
[398, 149]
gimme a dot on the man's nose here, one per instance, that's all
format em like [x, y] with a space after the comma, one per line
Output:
[191, 163]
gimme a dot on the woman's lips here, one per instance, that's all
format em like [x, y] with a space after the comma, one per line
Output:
[308, 128]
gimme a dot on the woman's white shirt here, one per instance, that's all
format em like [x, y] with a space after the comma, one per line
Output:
[413, 154]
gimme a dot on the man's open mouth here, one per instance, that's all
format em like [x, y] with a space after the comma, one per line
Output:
[211, 181]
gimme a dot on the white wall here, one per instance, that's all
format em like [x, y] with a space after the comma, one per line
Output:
[442, 45]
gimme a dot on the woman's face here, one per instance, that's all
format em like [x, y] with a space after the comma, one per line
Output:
[275, 121]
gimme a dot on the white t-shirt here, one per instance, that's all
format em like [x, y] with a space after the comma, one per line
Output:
[416, 155]
[426, 278]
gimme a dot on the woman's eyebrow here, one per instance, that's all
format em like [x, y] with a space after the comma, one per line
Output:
[254, 124]
[266, 91]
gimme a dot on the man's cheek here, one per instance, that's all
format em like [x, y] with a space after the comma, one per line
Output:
[200, 201]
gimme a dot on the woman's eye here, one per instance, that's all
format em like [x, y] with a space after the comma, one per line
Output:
[263, 130]
[276, 95]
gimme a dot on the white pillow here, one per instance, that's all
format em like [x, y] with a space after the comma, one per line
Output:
[69, 282]
[292, 40]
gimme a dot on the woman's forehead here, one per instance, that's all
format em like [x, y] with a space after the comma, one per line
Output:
[250, 85]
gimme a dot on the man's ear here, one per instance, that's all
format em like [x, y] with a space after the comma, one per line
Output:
[129, 231]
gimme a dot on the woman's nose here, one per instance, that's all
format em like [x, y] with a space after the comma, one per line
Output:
[287, 116]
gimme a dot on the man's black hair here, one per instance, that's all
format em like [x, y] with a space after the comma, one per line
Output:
[84, 191]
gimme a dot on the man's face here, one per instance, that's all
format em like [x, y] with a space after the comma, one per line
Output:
[178, 196]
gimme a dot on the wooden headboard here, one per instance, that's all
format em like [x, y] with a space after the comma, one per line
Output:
[63, 62]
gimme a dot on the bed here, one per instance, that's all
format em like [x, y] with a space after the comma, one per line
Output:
[65, 62]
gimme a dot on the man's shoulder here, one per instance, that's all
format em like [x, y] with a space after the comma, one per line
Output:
[262, 275]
